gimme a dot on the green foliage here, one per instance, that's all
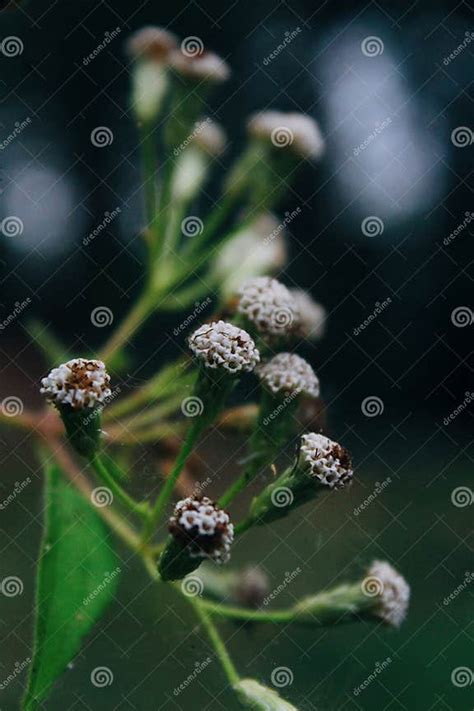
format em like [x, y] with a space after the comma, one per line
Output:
[77, 578]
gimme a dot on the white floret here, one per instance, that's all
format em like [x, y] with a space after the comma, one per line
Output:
[202, 66]
[269, 306]
[312, 315]
[223, 345]
[151, 43]
[79, 383]
[209, 528]
[289, 374]
[293, 131]
[325, 460]
[394, 595]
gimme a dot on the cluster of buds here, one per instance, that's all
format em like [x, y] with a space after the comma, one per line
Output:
[79, 389]
[222, 346]
[206, 142]
[291, 132]
[199, 529]
[289, 374]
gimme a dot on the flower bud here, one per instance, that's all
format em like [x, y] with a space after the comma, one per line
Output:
[389, 591]
[223, 346]
[200, 529]
[256, 696]
[256, 250]
[269, 307]
[325, 460]
[194, 160]
[288, 375]
[312, 315]
[79, 390]
[149, 49]
[290, 132]
[200, 66]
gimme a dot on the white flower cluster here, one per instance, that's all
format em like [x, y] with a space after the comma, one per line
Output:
[199, 66]
[152, 43]
[292, 131]
[79, 383]
[289, 374]
[325, 460]
[210, 137]
[269, 306]
[394, 592]
[203, 527]
[312, 315]
[223, 345]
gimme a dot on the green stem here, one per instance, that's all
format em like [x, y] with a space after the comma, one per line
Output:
[216, 640]
[148, 156]
[242, 526]
[135, 318]
[101, 470]
[233, 612]
[167, 490]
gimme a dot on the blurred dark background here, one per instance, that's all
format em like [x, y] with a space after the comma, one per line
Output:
[413, 177]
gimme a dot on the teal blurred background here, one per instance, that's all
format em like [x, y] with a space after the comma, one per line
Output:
[414, 357]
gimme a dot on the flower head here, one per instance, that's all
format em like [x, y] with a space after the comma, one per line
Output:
[255, 250]
[289, 374]
[290, 131]
[152, 43]
[209, 137]
[312, 315]
[79, 383]
[203, 527]
[223, 345]
[251, 586]
[325, 460]
[269, 306]
[199, 66]
[393, 592]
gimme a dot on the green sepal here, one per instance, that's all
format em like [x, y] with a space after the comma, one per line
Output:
[175, 562]
[83, 428]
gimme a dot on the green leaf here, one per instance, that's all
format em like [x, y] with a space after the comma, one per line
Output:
[77, 578]
[255, 696]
